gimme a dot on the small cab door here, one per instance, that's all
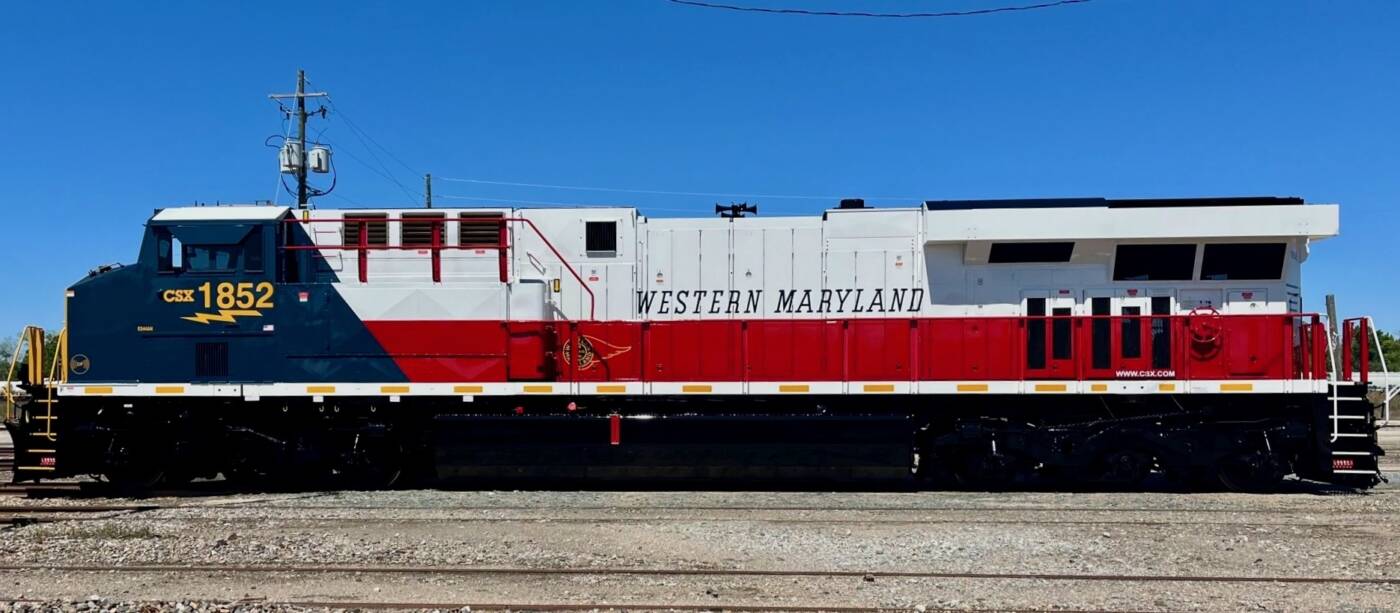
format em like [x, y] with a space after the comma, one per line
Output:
[1049, 334]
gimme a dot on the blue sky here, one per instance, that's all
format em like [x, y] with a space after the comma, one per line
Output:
[108, 111]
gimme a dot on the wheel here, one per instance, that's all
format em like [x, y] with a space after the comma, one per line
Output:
[993, 471]
[134, 480]
[131, 467]
[372, 462]
[1251, 471]
[1125, 467]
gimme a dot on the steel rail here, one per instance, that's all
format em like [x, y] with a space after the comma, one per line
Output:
[599, 606]
[263, 519]
[685, 572]
[832, 509]
[98, 508]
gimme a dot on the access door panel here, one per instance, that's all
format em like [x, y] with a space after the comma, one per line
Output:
[1048, 324]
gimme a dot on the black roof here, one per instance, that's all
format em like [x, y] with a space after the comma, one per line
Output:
[1058, 203]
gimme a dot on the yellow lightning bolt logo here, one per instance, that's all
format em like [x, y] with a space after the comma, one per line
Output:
[226, 316]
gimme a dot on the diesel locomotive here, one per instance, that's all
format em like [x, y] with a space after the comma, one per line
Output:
[975, 343]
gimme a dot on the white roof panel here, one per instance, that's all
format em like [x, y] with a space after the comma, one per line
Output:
[221, 213]
[1315, 221]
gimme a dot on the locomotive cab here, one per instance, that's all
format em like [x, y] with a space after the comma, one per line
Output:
[204, 276]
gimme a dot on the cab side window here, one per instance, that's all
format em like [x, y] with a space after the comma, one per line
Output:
[169, 257]
[212, 258]
[253, 251]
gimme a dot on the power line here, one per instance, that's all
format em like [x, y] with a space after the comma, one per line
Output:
[412, 196]
[365, 140]
[966, 13]
[670, 193]
[350, 122]
[349, 200]
[387, 174]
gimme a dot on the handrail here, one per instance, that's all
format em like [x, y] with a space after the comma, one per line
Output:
[363, 246]
[52, 383]
[60, 351]
[27, 338]
[1386, 393]
[592, 312]
[10, 374]
[1336, 389]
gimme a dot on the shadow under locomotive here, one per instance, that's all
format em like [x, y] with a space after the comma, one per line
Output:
[1162, 443]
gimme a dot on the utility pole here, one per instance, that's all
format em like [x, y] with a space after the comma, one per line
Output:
[300, 163]
[1335, 340]
[301, 137]
[428, 189]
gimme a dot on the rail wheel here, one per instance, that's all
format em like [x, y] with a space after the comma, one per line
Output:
[1125, 467]
[1251, 471]
[372, 462]
[993, 471]
[130, 466]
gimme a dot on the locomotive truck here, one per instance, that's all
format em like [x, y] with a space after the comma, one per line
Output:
[977, 343]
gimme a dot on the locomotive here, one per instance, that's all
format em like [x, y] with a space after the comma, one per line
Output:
[976, 343]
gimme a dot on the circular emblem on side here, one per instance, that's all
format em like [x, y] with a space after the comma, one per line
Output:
[79, 364]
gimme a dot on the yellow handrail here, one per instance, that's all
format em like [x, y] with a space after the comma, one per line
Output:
[51, 383]
[10, 374]
[25, 343]
[58, 367]
[60, 360]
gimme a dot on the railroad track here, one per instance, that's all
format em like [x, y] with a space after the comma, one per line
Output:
[682, 572]
[601, 606]
[47, 490]
[317, 521]
[574, 606]
[18, 515]
[827, 509]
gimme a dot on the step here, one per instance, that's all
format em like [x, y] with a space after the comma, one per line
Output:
[1360, 453]
[1352, 435]
[1354, 472]
[1348, 416]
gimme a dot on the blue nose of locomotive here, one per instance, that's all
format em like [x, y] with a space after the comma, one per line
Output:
[200, 284]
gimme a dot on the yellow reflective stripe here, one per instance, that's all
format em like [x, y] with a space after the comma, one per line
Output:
[1051, 387]
[612, 389]
[170, 389]
[1166, 387]
[972, 387]
[690, 389]
[393, 389]
[320, 389]
[1098, 387]
[539, 389]
[879, 387]
[466, 389]
[1236, 387]
[789, 389]
[97, 390]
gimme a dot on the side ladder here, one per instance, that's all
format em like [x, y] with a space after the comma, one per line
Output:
[1355, 452]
